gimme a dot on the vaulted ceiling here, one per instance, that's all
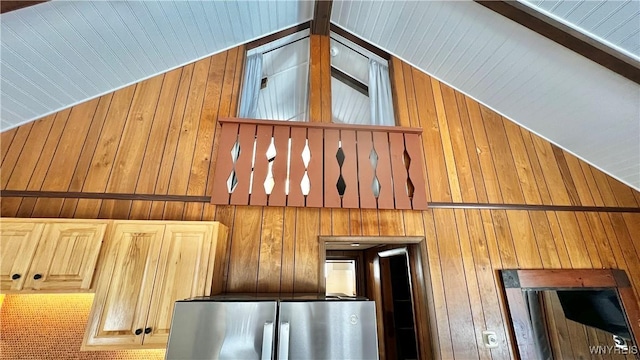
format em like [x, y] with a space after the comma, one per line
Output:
[60, 53]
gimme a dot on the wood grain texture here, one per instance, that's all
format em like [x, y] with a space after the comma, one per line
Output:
[482, 154]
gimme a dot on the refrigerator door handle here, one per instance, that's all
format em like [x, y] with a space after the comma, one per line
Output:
[283, 342]
[267, 341]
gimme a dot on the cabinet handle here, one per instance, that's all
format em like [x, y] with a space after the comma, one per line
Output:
[138, 331]
[15, 276]
[147, 331]
[37, 277]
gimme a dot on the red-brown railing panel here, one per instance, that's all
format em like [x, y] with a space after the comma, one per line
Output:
[383, 170]
[331, 169]
[365, 170]
[279, 163]
[224, 163]
[278, 195]
[246, 140]
[412, 144]
[315, 198]
[261, 165]
[399, 170]
[296, 169]
[350, 169]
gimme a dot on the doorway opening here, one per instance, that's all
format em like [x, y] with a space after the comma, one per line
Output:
[389, 271]
[397, 305]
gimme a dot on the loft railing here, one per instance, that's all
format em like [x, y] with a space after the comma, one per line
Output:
[281, 163]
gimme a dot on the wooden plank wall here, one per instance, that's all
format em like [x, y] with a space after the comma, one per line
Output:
[157, 137]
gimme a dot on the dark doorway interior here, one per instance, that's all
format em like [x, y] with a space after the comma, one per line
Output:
[397, 305]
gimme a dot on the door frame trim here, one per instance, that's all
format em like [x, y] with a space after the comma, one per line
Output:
[424, 310]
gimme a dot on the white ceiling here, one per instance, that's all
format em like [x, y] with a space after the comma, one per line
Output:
[60, 53]
[558, 94]
[614, 23]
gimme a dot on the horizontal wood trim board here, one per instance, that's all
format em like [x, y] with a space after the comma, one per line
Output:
[356, 40]
[318, 125]
[102, 196]
[280, 34]
[207, 199]
[447, 205]
[567, 37]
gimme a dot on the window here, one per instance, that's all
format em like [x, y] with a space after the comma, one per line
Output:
[359, 83]
[276, 80]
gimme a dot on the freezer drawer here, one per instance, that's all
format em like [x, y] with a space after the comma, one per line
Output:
[222, 330]
[327, 330]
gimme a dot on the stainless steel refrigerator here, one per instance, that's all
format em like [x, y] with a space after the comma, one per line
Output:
[247, 327]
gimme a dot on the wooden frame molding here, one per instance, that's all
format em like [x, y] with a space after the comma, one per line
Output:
[6, 5]
[422, 297]
[275, 36]
[567, 37]
[207, 199]
[514, 281]
[356, 40]
[479, 206]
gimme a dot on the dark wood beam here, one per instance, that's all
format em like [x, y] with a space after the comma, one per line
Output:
[567, 37]
[275, 36]
[320, 24]
[350, 81]
[363, 44]
[6, 6]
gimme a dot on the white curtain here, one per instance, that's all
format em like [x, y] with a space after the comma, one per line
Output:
[380, 94]
[251, 87]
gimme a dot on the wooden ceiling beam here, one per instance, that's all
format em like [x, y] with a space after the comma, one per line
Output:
[321, 22]
[6, 6]
[567, 37]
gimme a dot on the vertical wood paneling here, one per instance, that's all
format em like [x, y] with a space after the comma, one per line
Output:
[28, 159]
[173, 135]
[485, 157]
[450, 160]
[271, 247]
[462, 163]
[245, 250]
[306, 267]
[158, 136]
[432, 143]
[11, 155]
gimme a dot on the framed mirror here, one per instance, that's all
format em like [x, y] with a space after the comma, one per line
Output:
[558, 314]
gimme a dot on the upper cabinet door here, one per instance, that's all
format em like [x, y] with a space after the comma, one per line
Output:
[18, 242]
[123, 293]
[184, 269]
[66, 256]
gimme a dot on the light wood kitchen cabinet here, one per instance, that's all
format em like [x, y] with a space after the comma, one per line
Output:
[147, 267]
[18, 242]
[46, 255]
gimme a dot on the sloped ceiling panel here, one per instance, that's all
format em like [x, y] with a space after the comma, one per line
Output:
[60, 53]
[615, 23]
[560, 95]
